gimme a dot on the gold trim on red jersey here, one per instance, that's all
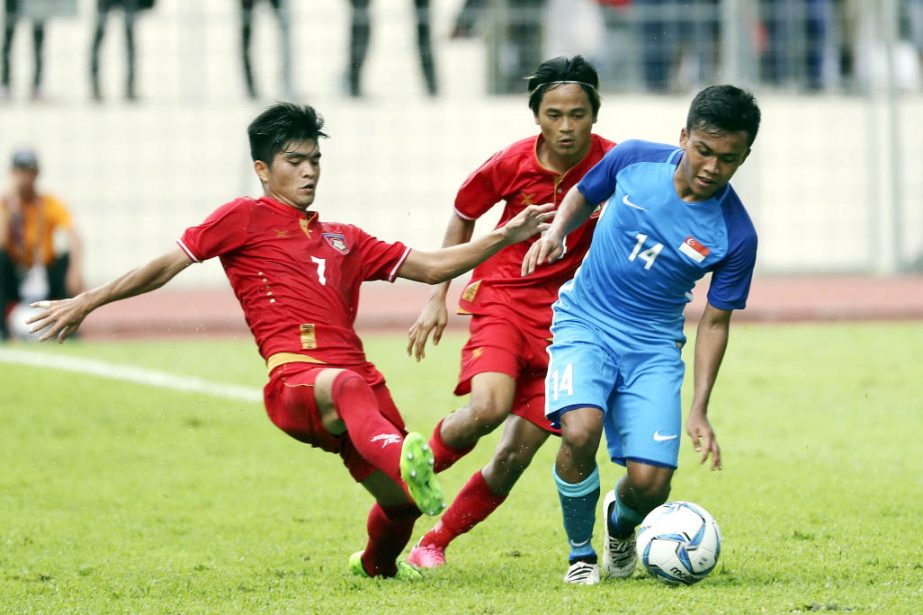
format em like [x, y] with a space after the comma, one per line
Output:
[281, 358]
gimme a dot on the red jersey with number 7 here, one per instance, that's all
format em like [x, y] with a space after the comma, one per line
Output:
[297, 278]
[515, 175]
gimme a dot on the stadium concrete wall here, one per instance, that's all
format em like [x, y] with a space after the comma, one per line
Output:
[135, 175]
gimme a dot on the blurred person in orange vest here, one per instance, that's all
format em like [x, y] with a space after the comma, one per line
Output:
[39, 246]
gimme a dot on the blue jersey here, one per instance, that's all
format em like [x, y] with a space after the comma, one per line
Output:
[650, 247]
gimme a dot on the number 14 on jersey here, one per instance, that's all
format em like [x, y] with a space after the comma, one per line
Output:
[648, 255]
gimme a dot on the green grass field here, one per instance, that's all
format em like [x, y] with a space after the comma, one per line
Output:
[120, 497]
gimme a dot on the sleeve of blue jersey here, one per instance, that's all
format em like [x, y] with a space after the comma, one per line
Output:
[599, 182]
[730, 281]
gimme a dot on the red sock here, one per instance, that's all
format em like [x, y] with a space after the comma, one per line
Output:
[443, 454]
[375, 437]
[473, 504]
[389, 532]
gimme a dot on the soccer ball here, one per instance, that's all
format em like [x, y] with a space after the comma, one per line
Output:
[679, 543]
[16, 322]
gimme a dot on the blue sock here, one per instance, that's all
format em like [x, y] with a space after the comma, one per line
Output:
[578, 504]
[622, 519]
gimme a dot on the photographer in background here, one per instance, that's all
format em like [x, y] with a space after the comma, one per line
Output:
[39, 246]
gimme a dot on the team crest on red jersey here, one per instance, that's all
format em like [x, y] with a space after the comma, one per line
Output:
[337, 241]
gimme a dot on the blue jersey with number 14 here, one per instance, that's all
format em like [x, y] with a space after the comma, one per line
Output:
[650, 247]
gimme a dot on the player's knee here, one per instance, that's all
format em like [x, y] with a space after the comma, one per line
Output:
[651, 488]
[347, 390]
[513, 458]
[581, 437]
[347, 381]
[487, 413]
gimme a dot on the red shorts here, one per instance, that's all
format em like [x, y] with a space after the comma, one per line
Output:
[290, 404]
[500, 345]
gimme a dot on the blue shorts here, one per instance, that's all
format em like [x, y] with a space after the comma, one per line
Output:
[636, 384]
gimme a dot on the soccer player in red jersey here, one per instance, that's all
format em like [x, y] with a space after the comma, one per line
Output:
[297, 279]
[504, 362]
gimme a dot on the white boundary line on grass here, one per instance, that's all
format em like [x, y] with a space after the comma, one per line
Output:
[137, 375]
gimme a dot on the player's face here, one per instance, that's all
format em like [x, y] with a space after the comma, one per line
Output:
[292, 178]
[709, 161]
[566, 119]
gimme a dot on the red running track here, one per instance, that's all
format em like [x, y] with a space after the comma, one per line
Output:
[395, 306]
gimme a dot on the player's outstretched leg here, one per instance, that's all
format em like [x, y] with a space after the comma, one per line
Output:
[418, 474]
[405, 459]
[375, 437]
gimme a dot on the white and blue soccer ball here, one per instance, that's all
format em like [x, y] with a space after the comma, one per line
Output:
[679, 543]
[16, 323]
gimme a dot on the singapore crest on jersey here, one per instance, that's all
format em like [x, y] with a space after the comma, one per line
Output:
[337, 241]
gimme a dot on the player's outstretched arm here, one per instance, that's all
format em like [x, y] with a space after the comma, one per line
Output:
[61, 318]
[710, 343]
[434, 316]
[573, 212]
[446, 263]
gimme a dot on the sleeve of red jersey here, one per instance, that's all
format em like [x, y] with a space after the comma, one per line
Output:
[480, 191]
[379, 259]
[225, 229]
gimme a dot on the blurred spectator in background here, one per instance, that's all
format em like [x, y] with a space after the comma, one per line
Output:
[39, 246]
[915, 23]
[282, 12]
[130, 10]
[466, 21]
[517, 35]
[679, 41]
[617, 57]
[360, 32]
[798, 46]
[12, 13]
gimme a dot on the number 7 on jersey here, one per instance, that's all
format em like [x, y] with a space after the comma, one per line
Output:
[321, 267]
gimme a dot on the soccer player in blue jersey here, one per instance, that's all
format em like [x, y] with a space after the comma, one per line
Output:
[615, 362]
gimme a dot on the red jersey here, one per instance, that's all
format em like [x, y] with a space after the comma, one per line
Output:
[297, 278]
[515, 175]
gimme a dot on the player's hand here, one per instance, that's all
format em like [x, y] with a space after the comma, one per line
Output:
[703, 438]
[433, 320]
[531, 220]
[58, 319]
[547, 249]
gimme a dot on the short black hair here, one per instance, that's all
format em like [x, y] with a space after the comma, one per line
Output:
[724, 108]
[556, 70]
[281, 124]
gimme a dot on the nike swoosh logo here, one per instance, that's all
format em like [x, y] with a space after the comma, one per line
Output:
[658, 437]
[581, 543]
[626, 201]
